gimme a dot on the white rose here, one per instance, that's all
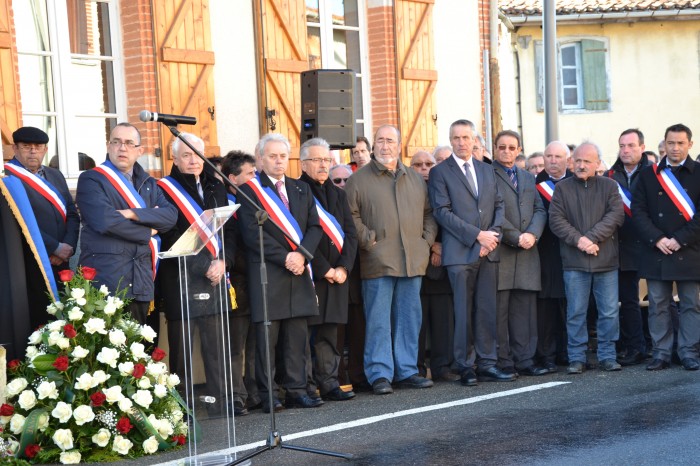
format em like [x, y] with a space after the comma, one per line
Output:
[113, 394]
[173, 380]
[126, 368]
[54, 337]
[59, 305]
[108, 356]
[83, 414]
[63, 438]
[99, 377]
[144, 382]
[47, 390]
[31, 352]
[148, 333]
[142, 398]
[17, 423]
[150, 445]
[105, 291]
[156, 368]
[113, 304]
[56, 326]
[16, 387]
[84, 382]
[137, 350]
[101, 438]
[35, 337]
[117, 337]
[70, 457]
[79, 353]
[43, 423]
[95, 325]
[121, 445]
[177, 415]
[51, 309]
[75, 314]
[79, 295]
[163, 426]
[27, 400]
[62, 412]
[63, 343]
[125, 405]
[160, 390]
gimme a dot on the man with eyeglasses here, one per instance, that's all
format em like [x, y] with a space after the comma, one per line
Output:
[339, 175]
[422, 162]
[52, 206]
[332, 263]
[395, 228]
[123, 210]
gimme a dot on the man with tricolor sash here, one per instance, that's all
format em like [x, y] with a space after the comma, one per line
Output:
[625, 171]
[123, 210]
[52, 206]
[333, 261]
[664, 204]
[291, 298]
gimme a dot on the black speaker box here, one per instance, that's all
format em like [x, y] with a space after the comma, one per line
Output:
[327, 107]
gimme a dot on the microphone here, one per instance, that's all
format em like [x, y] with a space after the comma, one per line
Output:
[171, 120]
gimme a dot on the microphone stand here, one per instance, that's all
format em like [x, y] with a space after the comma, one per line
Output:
[274, 438]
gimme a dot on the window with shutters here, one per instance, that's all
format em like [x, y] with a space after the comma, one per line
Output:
[67, 54]
[582, 74]
[335, 41]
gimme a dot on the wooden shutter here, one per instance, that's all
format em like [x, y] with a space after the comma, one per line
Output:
[283, 55]
[185, 69]
[417, 76]
[10, 116]
[595, 76]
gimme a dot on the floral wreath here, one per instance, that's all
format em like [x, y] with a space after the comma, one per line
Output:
[88, 389]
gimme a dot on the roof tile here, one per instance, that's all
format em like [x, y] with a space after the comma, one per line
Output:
[564, 7]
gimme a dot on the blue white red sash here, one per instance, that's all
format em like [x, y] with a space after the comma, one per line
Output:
[675, 191]
[231, 199]
[40, 185]
[624, 194]
[191, 210]
[330, 226]
[133, 199]
[546, 189]
[276, 209]
[16, 195]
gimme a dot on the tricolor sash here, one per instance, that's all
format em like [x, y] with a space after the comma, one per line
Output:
[13, 190]
[40, 185]
[675, 191]
[330, 226]
[624, 194]
[546, 189]
[191, 210]
[133, 199]
[273, 205]
[231, 199]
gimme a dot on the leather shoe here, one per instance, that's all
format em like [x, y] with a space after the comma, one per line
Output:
[493, 374]
[657, 365]
[239, 409]
[551, 367]
[468, 378]
[690, 364]
[632, 358]
[382, 386]
[302, 401]
[415, 381]
[508, 370]
[447, 376]
[576, 367]
[338, 395]
[277, 406]
[533, 371]
[609, 365]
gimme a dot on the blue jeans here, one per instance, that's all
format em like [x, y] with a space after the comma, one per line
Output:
[393, 314]
[578, 289]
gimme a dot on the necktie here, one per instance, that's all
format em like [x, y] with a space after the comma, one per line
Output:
[279, 185]
[470, 179]
[129, 178]
[200, 191]
[513, 177]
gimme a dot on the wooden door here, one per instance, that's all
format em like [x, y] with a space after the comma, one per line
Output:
[185, 70]
[10, 115]
[417, 76]
[283, 55]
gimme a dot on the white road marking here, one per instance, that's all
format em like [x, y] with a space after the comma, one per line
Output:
[382, 417]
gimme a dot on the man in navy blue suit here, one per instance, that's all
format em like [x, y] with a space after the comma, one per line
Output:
[467, 205]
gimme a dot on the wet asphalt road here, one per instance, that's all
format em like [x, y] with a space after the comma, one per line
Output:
[632, 417]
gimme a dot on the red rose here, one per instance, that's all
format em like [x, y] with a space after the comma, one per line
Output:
[14, 364]
[65, 275]
[7, 410]
[69, 331]
[98, 398]
[124, 426]
[158, 354]
[61, 363]
[31, 450]
[139, 370]
[89, 273]
[179, 439]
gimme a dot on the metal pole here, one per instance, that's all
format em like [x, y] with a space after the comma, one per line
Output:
[487, 101]
[551, 106]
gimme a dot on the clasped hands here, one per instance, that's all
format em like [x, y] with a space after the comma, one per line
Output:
[668, 245]
[488, 241]
[294, 263]
[587, 246]
[216, 271]
[336, 275]
[62, 253]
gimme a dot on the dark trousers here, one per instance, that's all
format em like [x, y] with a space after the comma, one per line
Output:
[139, 311]
[245, 389]
[352, 335]
[631, 333]
[516, 320]
[326, 358]
[292, 334]
[439, 322]
[551, 329]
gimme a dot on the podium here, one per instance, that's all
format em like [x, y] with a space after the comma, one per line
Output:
[204, 309]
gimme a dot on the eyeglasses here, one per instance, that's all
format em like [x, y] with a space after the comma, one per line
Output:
[340, 180]
[423, 164]
[503, 147]
[28, 147]
[319, 160]
[118, 143]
